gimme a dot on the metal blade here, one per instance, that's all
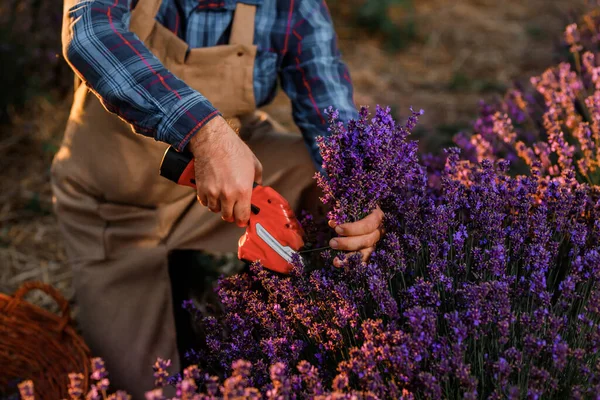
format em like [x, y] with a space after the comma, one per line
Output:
[311, 250]
[285, 252]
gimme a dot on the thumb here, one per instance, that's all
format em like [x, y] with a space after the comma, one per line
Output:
[257, 171]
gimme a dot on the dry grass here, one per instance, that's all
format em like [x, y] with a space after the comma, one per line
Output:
[30, 245]
[465, 50]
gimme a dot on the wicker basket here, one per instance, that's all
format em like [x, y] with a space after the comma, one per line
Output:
[39, 345]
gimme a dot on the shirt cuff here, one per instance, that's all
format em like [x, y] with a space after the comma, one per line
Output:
[186, 118]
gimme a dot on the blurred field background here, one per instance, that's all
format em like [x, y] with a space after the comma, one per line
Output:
[439, 55]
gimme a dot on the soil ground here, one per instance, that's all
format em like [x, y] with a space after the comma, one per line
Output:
[464, 50]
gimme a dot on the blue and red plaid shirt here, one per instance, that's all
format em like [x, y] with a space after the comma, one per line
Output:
[296, 42]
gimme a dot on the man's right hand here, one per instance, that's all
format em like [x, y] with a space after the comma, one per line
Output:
[225, 169]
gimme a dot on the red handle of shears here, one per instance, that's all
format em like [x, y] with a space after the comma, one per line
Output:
[271, 213]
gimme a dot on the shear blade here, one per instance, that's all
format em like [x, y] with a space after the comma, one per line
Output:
[284, 252]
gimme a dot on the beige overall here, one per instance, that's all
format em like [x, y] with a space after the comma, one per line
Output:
[120, 219]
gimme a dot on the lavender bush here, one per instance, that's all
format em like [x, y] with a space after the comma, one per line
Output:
[554, 120]
[484, 286]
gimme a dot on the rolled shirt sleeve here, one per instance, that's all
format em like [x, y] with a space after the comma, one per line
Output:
[128, 79]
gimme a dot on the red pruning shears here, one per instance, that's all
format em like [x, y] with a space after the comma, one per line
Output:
[273, 234]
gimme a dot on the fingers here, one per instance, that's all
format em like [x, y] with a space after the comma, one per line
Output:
[358, 237]
[233, 202]
[214, 204]
[202, 200]
[366, 253]
[258, 170]
[235, 206]
[227, 205]
[356, 243]
[367, 225]
[241, 210]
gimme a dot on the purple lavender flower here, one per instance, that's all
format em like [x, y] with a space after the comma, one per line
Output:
[340, 383]
[75, 385]
[573, 37]
[26, 390]
[160, 372]
[119, 395]
[103, 384]
[212, 385]
[236, 385]
[186, 388]
[281, 384]
[310, 378]
[98, 370]
[94, 393]
[156, 394]
[192, 372]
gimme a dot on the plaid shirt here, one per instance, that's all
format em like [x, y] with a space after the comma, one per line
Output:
[295, 39]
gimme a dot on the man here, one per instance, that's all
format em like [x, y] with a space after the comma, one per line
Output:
[168, 72]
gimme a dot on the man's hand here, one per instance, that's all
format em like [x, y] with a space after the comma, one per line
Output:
[225, 170]
[360, 236]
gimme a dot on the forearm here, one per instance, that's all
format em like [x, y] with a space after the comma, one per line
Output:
[129, 80]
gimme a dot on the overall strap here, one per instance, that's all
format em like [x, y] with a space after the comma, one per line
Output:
[242, 29]
[143, 18]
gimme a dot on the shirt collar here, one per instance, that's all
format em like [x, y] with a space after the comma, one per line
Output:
[224, 4]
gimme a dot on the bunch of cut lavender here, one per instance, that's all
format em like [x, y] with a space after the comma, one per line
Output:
[553, 121]
[374, 153]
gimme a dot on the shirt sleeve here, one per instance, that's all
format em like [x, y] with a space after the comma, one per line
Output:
[127, 78]
[313, 74]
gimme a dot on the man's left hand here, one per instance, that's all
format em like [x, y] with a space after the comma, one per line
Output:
[360, 236]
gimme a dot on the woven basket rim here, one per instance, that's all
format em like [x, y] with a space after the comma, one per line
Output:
[17, 313]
